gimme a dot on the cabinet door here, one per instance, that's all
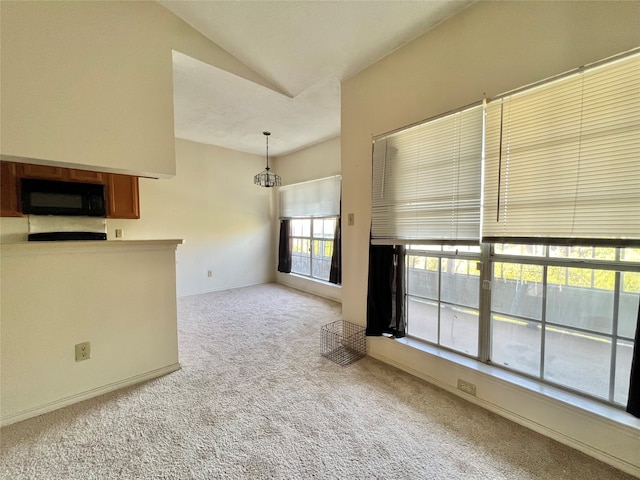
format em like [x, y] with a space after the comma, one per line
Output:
[122, 196]
[9, 204]
[27, 170]
[86, 176]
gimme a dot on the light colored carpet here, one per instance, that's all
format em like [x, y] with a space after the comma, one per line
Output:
[256, 400]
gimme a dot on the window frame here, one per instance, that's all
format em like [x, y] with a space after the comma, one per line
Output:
[416, 251]
[488, 258]
[311, 238]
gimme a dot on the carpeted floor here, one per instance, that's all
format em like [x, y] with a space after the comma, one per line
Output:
[256, 400]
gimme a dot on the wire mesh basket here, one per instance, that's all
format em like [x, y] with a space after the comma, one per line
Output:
[343, 342]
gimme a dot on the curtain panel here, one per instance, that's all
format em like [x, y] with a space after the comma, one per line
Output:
[633, 404]
[284, 247]
[335, 274]
[385, 297]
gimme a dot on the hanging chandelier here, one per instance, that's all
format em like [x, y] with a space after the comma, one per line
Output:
[267, 178]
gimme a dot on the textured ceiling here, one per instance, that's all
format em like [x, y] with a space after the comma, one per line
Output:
[303, 48]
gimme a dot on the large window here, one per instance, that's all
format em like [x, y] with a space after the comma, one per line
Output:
[565, 315]
[312, 246]
[547, 284]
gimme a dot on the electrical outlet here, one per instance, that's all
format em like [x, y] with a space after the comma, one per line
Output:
[467, 387]
[119, 233]
[83, 351]
[209, 273]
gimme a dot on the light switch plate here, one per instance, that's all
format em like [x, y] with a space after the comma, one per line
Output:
[350, 219]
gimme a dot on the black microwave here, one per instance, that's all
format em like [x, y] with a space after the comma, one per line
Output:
[48, 197]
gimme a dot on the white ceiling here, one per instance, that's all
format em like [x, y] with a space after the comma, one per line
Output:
[303, 48]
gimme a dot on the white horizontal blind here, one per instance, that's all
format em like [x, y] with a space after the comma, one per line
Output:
[317, 198]
[427, 181]
[563, 159]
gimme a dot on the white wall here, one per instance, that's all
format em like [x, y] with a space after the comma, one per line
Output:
[90, 83]
[489, 48]
[318, 161]
[212, 204]
[118, 296]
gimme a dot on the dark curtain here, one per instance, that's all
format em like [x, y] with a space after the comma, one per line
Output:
[284, 248]
[633, 405]
[335, 275]
[385, 297]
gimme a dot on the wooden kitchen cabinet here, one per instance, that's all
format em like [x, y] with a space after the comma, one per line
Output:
[44, 172]
[86, 176]
[121, 191]
[25, 170]
[123, 198]
[9, 202]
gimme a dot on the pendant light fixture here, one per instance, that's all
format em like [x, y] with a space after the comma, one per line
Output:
[267, 178]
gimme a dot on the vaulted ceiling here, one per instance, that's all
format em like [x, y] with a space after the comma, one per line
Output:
[303, 48]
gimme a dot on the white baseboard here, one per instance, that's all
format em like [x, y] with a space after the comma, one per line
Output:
[220, 289]
[629, 436]
[79, 397]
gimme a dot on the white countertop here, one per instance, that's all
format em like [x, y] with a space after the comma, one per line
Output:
[85, 246]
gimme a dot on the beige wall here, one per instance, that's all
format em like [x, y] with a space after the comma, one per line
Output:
[318, 161]
[489, 48]
[118, 296]
[90, 83]
[225, 220]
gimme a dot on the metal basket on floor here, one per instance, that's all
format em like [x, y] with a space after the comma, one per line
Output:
[343, 342]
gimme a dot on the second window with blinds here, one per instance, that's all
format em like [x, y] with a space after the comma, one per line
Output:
[312, 210]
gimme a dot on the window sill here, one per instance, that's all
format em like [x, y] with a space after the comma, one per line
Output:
[315, 280]
[604, 411]
[311, 285]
